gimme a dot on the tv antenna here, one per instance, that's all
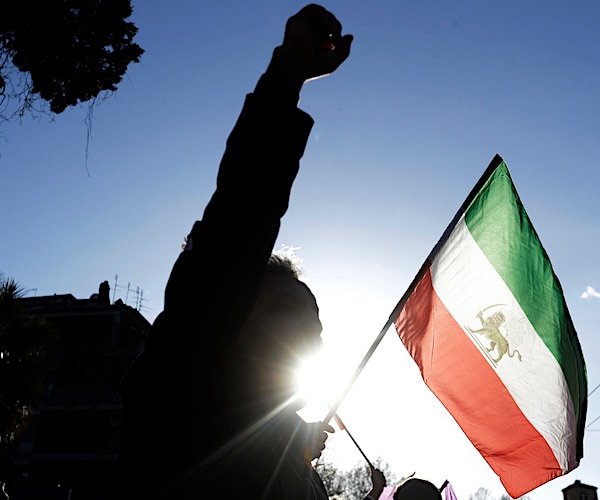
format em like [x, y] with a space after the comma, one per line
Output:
[137, 295]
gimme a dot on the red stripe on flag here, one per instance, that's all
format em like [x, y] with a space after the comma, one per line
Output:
[469, 388]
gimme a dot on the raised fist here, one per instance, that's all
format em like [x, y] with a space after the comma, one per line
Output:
[313, 45]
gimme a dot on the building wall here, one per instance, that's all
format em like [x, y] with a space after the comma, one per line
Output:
[580, 491]
[71, 447]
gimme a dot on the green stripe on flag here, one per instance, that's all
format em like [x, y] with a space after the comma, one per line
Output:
[499, 224]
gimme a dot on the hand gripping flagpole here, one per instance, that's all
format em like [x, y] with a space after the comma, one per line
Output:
[496, 161]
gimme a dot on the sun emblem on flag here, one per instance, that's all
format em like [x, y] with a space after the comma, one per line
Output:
[498, 326]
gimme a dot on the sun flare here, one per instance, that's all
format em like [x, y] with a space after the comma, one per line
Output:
[321, 380]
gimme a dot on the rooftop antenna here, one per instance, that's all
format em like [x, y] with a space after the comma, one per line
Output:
[127, 294]
[115, 288]
[139, 294]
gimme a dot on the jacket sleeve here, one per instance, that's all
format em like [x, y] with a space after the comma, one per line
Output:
[212, 285]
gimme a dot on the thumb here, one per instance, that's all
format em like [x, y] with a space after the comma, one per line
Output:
[344, 46]
[340, 52]
[326, 427]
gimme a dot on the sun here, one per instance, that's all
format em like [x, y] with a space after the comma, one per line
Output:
[311, 384]
[320, 381]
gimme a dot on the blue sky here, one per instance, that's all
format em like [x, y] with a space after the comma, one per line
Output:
[431, 91]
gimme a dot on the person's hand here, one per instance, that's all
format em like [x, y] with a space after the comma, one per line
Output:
[313, 45]
[315, 442]
[378, 481]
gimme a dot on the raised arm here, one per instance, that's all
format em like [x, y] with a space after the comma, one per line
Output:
[256, 173]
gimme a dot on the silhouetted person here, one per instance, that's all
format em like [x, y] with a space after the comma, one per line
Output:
[417, 489]
[209, 404]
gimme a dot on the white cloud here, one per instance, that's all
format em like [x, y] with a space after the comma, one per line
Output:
[590, 292]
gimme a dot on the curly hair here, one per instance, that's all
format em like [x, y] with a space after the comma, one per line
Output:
[285, 262]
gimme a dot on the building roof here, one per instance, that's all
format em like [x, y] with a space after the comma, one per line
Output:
[579, 484]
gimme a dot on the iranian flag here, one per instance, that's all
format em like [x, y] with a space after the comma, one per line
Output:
[486, 322]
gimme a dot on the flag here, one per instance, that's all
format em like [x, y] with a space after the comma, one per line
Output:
[486, 322]
[449, 492]
[387, 493]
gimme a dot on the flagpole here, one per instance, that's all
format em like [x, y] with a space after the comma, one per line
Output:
[343, 427]
[496, 161]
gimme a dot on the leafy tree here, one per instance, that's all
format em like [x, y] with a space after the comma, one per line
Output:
[58, 53]
[481, 494]
[24, 360]
[484, 494]
[358, 482]
[354, 483]
[333, 479]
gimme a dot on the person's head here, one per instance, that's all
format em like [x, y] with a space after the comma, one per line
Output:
[417, 489]
[285, 263]
[283, 327]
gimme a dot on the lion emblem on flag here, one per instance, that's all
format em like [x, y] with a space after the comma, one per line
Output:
[495, 343]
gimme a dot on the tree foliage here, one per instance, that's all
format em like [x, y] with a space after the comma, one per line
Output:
[25, 363]
[62, 52]
[484, 494]
[481, 494]
[355, 483]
